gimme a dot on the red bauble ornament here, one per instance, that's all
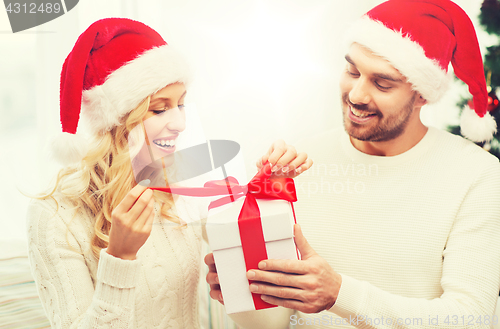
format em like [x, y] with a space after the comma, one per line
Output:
[493, 102]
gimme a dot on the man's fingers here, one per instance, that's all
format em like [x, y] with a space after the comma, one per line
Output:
[212, 278]
[214, 293]
[217, 295]
[305, 249]
[288, 303]
[276, 291]
[278, 278]
[283, 265]
[209, 259]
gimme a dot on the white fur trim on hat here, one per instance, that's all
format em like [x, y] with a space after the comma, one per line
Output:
[69, 148]
[105, 105]
[475, 128]
[405, 55]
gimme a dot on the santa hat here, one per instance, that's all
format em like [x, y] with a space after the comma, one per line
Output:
[420, 38]
[115, 64]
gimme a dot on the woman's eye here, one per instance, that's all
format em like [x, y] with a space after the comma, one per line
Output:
[160, 110]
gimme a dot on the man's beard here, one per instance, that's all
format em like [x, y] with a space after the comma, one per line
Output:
[388, 128]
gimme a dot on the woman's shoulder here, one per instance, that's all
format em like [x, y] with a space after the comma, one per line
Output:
[58, 212]
[55, 204]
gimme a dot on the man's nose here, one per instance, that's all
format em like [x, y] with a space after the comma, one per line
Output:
[359, 93]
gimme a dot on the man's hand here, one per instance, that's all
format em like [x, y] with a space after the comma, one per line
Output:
[309, 285]
[285, 160]
[213, 279]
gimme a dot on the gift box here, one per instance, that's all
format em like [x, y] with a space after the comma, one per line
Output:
[268, 237]
[246, 224]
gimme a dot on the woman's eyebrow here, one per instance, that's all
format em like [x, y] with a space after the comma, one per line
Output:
[166, 98]
[163, 99]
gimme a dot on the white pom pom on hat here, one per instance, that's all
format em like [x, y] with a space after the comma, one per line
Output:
[115, 64]
[69, 148]
[475, 128]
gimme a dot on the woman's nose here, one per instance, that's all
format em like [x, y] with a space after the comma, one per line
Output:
[176, 120]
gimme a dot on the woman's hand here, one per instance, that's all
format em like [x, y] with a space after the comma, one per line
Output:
[285, 160]
[131, 223]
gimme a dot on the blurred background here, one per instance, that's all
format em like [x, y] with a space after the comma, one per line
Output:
[264, 70]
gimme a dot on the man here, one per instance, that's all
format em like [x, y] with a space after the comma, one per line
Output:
[403, 220]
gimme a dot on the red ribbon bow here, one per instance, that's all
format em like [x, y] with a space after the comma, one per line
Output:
[249, 220]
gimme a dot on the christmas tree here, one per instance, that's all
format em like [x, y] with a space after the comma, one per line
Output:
[490, 20]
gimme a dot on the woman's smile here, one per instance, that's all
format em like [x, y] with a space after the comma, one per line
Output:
[166, 144]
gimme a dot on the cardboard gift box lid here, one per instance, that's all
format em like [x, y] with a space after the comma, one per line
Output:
[222, 224]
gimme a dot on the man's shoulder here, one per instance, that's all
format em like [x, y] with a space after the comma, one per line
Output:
[463, 152]
[462, 146]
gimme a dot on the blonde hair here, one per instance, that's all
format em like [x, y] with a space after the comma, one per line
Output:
[103, 178]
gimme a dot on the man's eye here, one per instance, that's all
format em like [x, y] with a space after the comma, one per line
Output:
[383, 88]
[352, 73]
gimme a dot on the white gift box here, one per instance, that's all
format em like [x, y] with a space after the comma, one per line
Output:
[277, 220]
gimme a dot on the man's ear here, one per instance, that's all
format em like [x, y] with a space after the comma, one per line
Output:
[420, 101]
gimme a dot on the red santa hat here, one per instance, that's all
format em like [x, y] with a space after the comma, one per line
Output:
[115, 64]
[420, 38]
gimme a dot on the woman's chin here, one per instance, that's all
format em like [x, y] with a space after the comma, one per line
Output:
[145, 169]
[163, 162]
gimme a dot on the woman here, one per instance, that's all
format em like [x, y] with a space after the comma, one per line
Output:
[101, 249]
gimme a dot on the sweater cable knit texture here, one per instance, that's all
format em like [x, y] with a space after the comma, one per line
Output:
[157, 290]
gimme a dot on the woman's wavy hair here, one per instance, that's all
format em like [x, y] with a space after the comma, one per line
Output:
[105, 175]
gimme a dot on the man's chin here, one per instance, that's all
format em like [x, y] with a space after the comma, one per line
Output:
[355, 132]
[370, 137]
[362, 136]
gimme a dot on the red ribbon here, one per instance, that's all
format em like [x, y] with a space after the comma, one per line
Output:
[249, 220]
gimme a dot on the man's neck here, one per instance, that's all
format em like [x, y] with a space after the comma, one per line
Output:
[412, 135]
